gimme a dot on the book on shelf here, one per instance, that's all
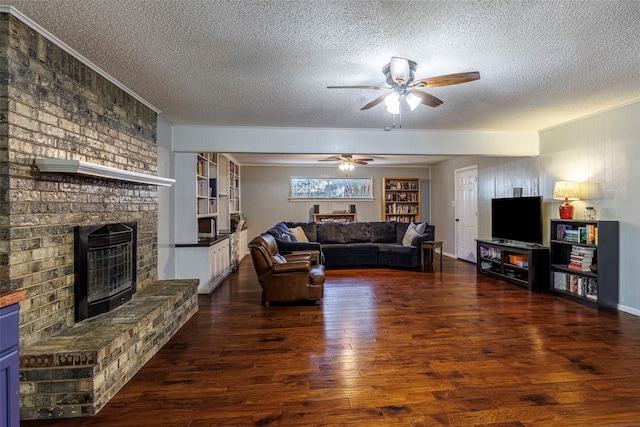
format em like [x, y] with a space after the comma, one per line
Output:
[410, 218]
[592, 234]
[582, 234]
[580, 258]
[587, 234]
[571, 235]
[576, 284]
[560, 231]
[490, 252]
[213, 186]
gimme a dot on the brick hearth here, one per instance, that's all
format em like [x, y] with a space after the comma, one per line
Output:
[75, 373]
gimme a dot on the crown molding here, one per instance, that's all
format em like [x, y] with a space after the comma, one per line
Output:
[62, 45]
[78, 167]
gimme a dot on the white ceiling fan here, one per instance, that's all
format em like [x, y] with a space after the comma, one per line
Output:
[400, 74]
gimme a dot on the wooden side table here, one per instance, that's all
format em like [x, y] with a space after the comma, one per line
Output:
[431, 245]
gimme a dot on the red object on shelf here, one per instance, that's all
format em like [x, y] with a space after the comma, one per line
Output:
[566, 210]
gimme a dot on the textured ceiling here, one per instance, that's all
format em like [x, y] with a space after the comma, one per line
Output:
[268, 63]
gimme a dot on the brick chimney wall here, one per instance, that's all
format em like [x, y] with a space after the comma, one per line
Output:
[54, 106]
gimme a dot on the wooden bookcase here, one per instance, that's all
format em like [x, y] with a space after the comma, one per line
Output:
[507, 261]
[597, 289]
[401, 199]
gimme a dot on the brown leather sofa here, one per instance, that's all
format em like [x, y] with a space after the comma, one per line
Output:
[285, 278]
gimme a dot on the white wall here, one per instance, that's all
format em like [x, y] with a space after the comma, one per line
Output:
[265, 193]
[602, 151]
[497, 176]
[166, 220]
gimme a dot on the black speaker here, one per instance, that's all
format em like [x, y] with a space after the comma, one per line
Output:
[352, 208]
[316, 209]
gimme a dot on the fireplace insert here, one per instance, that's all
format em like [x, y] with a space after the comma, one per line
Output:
[105, 267]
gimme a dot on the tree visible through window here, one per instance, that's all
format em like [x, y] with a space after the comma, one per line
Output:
[331, 188]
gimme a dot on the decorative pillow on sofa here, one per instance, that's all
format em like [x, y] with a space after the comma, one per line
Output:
[288, 236]
[298, 232]
[413, 231]
[310, 229]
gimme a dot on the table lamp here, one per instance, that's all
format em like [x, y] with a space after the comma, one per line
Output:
[566, 190]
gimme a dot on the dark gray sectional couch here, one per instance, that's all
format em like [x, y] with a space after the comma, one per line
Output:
[356, 244]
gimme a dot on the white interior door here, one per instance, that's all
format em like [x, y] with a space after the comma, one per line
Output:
[466, 209]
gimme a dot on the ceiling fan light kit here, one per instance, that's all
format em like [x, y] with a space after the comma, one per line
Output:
[400, 73]
[392, 101]
[346, 166]
[346, 161]
[413, 101]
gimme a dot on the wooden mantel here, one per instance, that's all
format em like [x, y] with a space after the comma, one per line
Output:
[78, 167]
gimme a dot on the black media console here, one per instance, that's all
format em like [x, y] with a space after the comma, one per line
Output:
[524, 264]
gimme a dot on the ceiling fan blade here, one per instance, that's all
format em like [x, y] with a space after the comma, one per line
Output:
[447, 80]
[427, 98]
[359, 162]
[375, 102]
[357, 87]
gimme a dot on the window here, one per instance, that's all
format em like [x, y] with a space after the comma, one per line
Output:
[331, 188]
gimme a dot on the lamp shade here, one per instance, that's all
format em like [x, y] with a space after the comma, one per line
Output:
[566, 190]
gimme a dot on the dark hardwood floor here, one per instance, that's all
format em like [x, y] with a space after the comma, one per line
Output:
[388, 348]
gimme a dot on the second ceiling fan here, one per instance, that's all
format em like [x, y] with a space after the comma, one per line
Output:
[400, 74]
[346, 158]
[347, 161]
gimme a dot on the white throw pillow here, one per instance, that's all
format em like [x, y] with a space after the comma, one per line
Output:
[409, 235]
[299, 233]
[421, 227]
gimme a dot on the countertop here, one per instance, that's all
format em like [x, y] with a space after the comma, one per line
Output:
[8, 298]
[204, 242]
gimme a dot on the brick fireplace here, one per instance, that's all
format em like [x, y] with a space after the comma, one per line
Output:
[57, 107]
[54, 106]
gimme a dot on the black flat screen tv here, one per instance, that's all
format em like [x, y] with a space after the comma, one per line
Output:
[517, 219]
